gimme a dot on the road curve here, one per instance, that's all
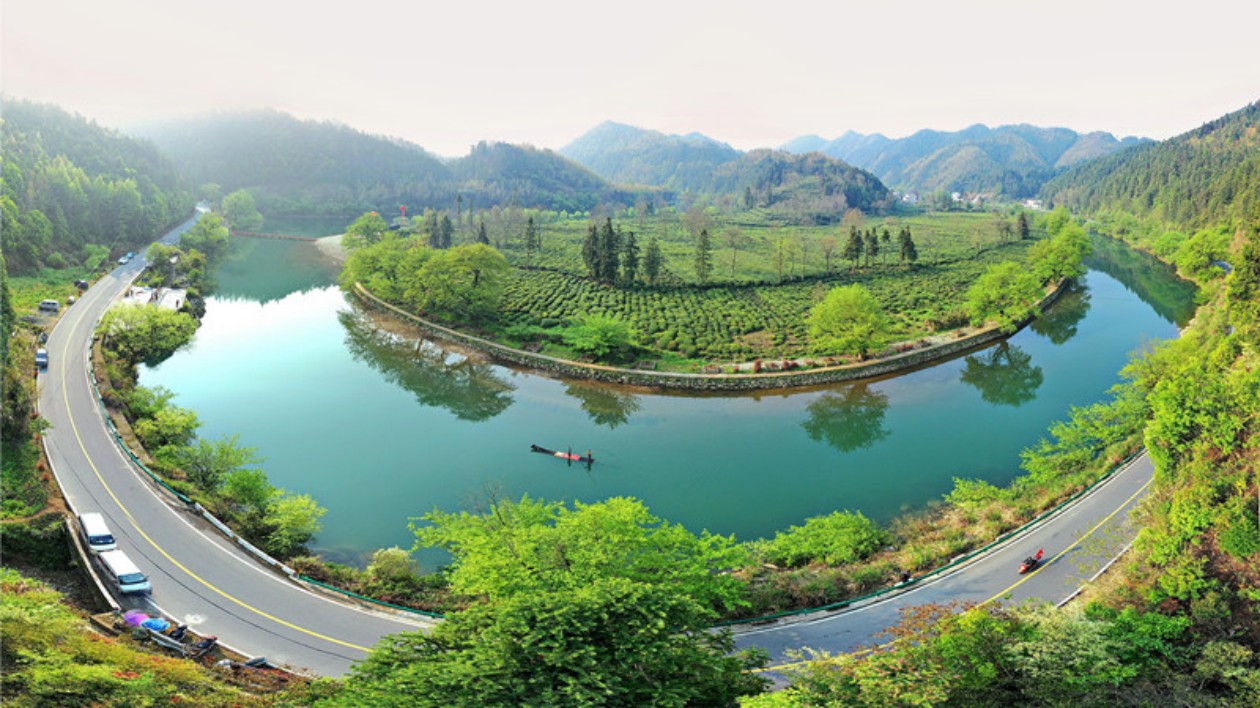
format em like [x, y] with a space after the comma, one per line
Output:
[1080, 541]
[198, 576]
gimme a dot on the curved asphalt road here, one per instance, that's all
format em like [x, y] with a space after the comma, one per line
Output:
[1079, 541]
[198, 576]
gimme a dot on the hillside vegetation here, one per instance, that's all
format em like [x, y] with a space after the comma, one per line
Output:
[629, 155]
[1201, 178]
[72, 192]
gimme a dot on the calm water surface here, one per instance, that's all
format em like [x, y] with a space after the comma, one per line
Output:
[381, 428]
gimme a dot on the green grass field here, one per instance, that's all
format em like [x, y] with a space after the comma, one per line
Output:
[50, 284]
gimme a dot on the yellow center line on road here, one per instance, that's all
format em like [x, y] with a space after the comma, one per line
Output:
[169, 557]
[1003, 593]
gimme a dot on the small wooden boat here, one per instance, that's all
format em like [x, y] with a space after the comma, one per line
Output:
[569, 455]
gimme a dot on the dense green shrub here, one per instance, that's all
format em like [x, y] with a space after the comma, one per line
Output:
[839, 537]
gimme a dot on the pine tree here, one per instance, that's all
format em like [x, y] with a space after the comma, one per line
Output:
[630, 259]
[909, 254]
[432, 228]
[531, 239]
[872, 246]
[590, 251]
[704, 256]
[853, 249]
[652, 261]
[1021, 226]
[607, 253]
[447, 231]
[482, 238]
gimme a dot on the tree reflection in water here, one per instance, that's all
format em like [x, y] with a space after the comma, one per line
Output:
[468, 389]
[1004, 375]
[1058, 323]
[849, 419]
[605, 406]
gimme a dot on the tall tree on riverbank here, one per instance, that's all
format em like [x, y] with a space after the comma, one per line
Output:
[848, 320]
[1006, 295]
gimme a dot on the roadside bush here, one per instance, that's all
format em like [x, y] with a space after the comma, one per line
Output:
[839, 537]
[40, 541]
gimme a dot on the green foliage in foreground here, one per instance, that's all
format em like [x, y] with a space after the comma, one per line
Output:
[595, 605]
[1032, 655]
[519, 548]
[611, 641]
[50, 659]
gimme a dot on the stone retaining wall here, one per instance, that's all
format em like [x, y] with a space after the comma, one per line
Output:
[705, 382]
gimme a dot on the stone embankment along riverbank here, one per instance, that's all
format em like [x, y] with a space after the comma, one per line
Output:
[705, 382]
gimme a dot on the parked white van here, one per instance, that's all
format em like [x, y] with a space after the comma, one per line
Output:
[123, 573]
[95, 533]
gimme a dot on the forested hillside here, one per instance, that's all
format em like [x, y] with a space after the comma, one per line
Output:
[500, 173]
[629, 155]
[293, 166]
[809, 188]
[72, 190]
[1013, 160]
[1205, 176]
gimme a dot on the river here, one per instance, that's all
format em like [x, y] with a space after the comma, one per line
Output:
[381, 428]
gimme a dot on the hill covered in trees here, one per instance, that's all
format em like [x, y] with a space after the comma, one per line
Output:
[1202, 177]
[1013, 160]
[309, 167]
[72, 190]
[629, 155]
[809, 188]
[522, 175]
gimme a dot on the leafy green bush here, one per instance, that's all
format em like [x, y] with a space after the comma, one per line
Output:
[601, 336]
[839, 537]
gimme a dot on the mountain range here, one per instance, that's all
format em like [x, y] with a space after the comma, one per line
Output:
[1012, 160]
[296, 166]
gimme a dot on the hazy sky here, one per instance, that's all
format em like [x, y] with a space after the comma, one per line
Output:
[448, 74]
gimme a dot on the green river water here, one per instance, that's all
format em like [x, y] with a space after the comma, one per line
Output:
[381, 428]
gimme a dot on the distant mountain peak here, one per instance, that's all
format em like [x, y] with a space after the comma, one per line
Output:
[1010, 159]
